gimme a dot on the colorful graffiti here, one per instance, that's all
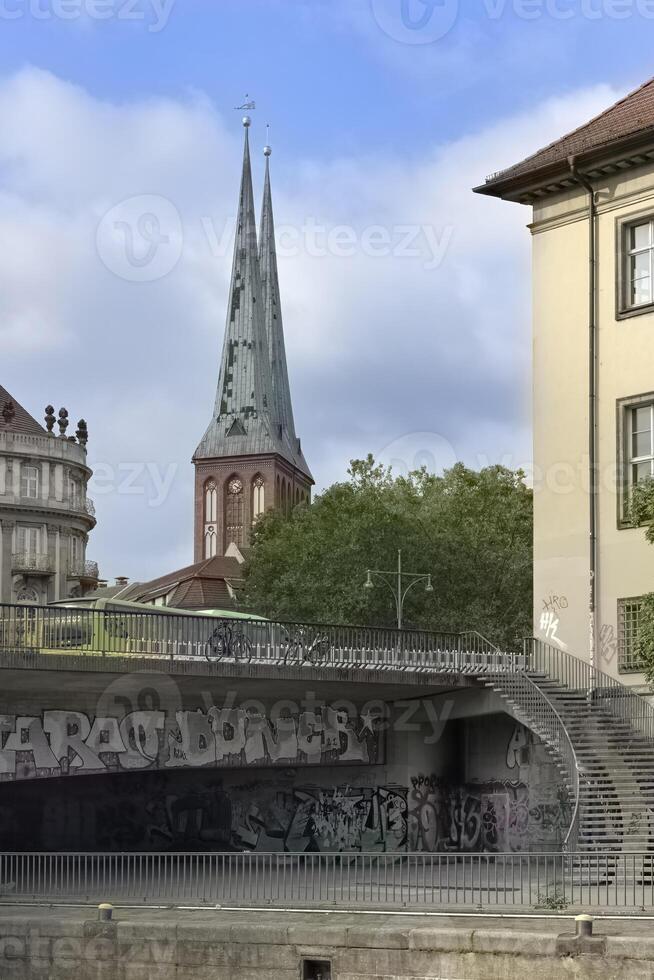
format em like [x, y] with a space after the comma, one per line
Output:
[61, 743]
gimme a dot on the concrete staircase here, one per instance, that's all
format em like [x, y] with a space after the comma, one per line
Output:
[602, 736]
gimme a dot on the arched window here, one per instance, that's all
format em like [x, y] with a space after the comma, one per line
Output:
[210, 517]
[210, 502]
[234, 527]
[210, 541]
[258, 497]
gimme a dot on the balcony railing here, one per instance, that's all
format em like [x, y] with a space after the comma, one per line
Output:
[25, 562]
[84, 569]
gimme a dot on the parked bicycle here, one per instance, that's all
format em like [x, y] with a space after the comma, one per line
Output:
[229, 642]
[306, 646]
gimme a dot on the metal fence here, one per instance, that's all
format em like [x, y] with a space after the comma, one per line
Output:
[173, 636]
[412, 881]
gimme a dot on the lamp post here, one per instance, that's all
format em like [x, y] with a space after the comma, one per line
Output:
[399, 590]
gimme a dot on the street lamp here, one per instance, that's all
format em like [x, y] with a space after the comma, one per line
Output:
[399, 590]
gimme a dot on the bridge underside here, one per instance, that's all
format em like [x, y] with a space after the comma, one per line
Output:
[309, 761]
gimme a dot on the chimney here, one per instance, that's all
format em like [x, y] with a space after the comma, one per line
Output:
[122, 580]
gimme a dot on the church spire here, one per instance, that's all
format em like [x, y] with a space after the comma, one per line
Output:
[244, 416]
[281, 391]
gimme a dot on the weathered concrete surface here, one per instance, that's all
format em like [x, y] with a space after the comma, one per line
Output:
[167, 944]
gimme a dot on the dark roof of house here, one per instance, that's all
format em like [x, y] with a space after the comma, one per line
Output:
[203, 585]
[20, 420]
[630, 119]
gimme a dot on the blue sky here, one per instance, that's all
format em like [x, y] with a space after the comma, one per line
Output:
[418, 355]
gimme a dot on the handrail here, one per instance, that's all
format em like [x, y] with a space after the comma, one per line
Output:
[552, 729]
[601, 688]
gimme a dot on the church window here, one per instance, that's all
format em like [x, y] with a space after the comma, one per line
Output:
[234, 527]
[258, 498]
[210, 503]
[210, 517]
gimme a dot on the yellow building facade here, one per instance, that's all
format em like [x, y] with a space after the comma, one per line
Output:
[592, 200]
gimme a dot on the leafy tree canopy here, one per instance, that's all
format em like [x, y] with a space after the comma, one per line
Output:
[471, 530]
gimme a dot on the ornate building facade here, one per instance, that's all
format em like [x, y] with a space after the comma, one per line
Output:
[250, 458]
[45, 515]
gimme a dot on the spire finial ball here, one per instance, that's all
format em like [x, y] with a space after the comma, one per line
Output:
[247, 121]
[267, 150]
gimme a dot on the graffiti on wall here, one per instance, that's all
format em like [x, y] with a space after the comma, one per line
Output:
[71, 742]
[496, 816]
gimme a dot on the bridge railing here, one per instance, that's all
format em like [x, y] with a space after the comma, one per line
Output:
[381, 880]
[163, 634]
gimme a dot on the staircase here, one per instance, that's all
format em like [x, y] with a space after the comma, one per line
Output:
[602, 736]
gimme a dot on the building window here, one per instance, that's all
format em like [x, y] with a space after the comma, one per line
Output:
[74, 553]
[638, 247]
[29, 540]
[210, 517]
[628, 621]
[635, 448]
[29, 482]
[210, 541]
[210, 503]
[75, 493]
[258, 498]
[641, 443]
[234, 527]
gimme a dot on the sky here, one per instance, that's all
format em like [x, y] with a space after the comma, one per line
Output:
[406, 298]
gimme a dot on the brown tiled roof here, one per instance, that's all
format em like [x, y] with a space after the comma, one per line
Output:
[628, 117]
[22, 421]
[199, 586]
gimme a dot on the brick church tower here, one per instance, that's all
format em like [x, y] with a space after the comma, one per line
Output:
[250, 458]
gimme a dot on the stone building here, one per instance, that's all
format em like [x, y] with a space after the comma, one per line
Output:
[250, 458]
[592, 225]
[45, 515]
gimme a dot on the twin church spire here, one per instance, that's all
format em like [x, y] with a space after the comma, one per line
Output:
[253, 412]
[252, 426]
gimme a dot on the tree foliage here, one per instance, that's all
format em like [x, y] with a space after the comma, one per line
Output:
[471, 530]
[642, 513]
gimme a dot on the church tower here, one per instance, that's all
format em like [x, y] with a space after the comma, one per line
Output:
[249, 459]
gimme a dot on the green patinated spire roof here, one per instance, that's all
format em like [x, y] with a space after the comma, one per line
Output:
[246, 419]
[243, 422]
[275, 327]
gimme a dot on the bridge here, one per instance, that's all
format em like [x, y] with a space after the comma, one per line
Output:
[598, 733]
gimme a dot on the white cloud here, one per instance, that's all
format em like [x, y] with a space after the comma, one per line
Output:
[379, 346]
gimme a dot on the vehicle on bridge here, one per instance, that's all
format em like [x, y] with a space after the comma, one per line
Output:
[115, 627]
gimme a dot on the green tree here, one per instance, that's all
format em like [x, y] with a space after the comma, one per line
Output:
[642, 513]
[471, 530]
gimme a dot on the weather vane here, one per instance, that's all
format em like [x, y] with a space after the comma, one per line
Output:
[247, 105]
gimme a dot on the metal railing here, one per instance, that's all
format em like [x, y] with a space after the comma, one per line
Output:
[601, 689]
[545, 880]
[534, 708]
[83, 569]
[162, 634]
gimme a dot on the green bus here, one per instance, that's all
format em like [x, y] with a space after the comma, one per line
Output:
[119, 628]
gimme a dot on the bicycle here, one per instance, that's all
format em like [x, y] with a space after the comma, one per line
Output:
[226, 641]
[297, 647]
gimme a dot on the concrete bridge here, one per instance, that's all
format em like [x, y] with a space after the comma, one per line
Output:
[346, 733]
